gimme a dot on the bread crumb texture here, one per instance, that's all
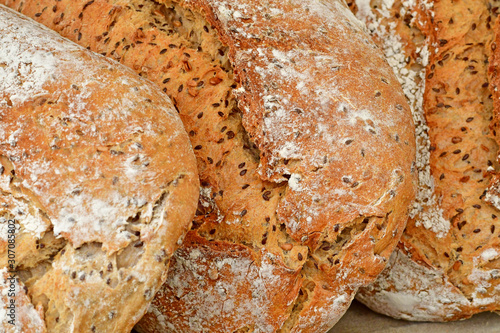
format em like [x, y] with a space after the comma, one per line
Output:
[97, 173]
[304, 144]
[447, 263]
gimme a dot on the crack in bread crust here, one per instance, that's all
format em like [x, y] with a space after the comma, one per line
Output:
[289, 160]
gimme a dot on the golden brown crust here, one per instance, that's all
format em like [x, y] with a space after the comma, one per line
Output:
[97, 172]
[447, 262]
[239, 276]
[303, 142]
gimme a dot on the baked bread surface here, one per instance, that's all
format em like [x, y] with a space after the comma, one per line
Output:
[98, 174]
[304, 144]
[447, 263]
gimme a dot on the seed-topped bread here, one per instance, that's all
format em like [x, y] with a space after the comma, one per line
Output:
[98, 184]
[447, 264]
[304, 143]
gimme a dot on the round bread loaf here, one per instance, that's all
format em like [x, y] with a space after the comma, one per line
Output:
[304, 143]
[447, 265]
[98, 185]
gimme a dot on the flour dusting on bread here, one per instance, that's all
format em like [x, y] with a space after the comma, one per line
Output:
[416, 292]
[426, 209]
[26, 67]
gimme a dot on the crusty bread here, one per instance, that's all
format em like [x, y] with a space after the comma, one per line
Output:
[98, 174]
[304, 144]
[447, 263]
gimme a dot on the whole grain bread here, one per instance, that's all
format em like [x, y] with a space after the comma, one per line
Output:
[98, 184]
[304, 143]
[447, 264]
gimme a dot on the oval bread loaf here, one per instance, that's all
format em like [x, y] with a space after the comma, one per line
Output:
[304, 143]
[447, 264]
[98, 184]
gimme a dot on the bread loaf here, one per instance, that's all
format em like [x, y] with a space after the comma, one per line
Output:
[304, 143]
[447, 263]
[98, 184]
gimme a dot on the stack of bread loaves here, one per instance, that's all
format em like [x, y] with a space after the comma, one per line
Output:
[447, 265]
[305, 150]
